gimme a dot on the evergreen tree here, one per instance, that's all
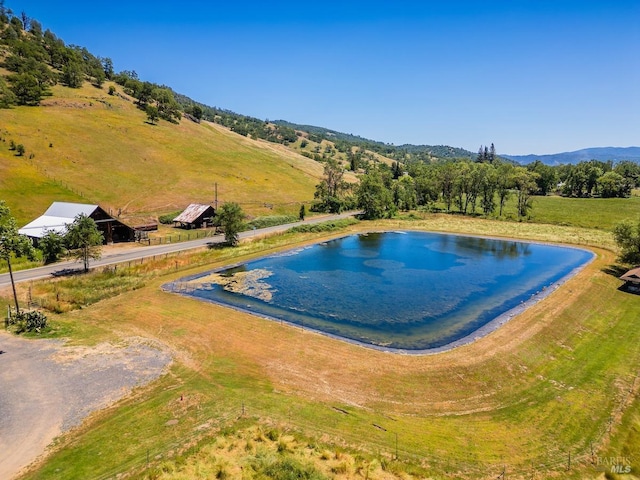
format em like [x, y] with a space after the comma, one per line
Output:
[492, 154]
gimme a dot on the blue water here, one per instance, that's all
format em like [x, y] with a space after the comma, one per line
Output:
[400, 290]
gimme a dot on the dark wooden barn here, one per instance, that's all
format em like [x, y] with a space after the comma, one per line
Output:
[61, 214]
[196, 216]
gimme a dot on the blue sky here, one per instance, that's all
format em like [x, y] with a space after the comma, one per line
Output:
[530, 76]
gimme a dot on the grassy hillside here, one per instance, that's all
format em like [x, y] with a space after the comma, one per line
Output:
[85, 145]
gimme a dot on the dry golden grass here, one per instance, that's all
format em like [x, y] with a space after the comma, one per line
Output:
[99, 148]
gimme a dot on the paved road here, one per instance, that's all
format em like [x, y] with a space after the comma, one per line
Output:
[43, 394]
[150, 251]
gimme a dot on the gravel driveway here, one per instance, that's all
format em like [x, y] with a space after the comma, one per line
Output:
[47, 388]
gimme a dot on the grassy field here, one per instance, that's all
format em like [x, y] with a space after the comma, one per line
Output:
[85, 145]
[549, 395]
[558, 381]
[598, 213]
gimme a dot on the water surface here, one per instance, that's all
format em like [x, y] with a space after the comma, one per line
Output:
[410, 291]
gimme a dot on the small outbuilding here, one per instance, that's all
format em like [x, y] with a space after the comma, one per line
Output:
[61, 214]
[632, 279]
[196, 215]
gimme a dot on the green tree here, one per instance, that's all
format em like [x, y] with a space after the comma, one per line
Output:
[612, 184]
[524, 182]
[7, 97]
[84, 239]
[107, 66]
[504, 183]
[627, 236]
[52, 246]
[168, 108]
[330, 191]
[231, 220]
[629, 170]
[20, 150]
[152, 114]
[488, 179]
[72, 75]
[404, 193]
[547, 177]
[425, 182]
[26, 89]
[303, 212]
[12, 245]
[197, 112]
[373, 196]
[462, 186]
[446, 180]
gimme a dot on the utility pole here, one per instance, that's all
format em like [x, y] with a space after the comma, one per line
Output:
[216, 200]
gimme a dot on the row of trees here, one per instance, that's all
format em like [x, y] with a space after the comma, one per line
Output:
[39, 60]
[593, 178]
[587, 178]
[463, 186]
[157, 100]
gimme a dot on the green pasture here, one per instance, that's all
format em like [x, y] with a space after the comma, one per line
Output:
[568, 386]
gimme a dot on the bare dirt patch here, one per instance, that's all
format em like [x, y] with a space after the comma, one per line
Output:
[48, 389]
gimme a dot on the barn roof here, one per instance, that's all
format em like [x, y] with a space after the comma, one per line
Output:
[632, 275]
[192, 213]
[70, 210]
[56, 218]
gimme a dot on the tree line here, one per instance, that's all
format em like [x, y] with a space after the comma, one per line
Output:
[38, 60]
[480, 187]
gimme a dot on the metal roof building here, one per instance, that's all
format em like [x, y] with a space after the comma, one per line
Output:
[61, 214]
[632, 276]
[196, 215]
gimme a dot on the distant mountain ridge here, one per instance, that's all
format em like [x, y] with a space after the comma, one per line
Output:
[390, 150]
[616, 154]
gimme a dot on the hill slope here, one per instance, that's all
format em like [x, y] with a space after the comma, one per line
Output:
[397, 152]
[85, 145]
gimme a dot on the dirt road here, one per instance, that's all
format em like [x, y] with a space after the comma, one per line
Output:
[47, 388]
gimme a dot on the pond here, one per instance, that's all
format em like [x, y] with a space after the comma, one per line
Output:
[413, 292]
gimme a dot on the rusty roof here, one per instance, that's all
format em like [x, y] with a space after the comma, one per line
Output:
[632, 275]
[192, 213]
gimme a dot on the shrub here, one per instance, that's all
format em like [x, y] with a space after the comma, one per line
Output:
[291, 469]
[167, 219]
[33, 321]
[271, 221]
[324, 226]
